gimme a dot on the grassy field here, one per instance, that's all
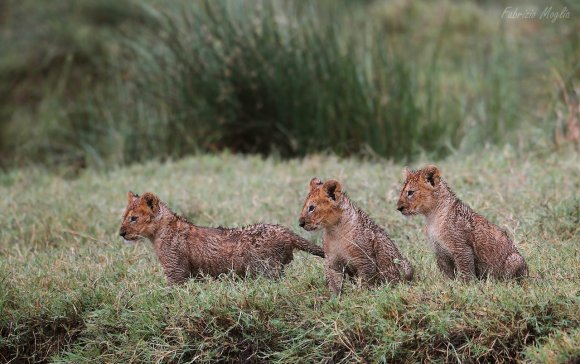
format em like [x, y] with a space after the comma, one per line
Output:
[72, 291]
[98, 98]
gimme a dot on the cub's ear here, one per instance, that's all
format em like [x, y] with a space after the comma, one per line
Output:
[131, 196]
[151, 201]
[314, 183]
[432, 175]
[406, 172]
[333, 189]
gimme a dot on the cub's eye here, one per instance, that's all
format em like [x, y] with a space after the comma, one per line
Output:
[410, 193]
[311, 208]
[133, 219]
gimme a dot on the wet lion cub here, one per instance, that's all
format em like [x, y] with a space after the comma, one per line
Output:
[465, 243]
[187, 250]
[353, 243]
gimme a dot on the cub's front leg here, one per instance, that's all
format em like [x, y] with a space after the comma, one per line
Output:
[463, 258]
[445, 261]
[446, 265]
[334, 273]
[175, 265]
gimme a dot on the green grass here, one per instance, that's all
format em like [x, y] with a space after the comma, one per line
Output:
[115, 82]
[71, 291]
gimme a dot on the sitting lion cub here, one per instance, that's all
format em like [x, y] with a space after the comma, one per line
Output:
[465, 242]
[186, 250]
[353, 243]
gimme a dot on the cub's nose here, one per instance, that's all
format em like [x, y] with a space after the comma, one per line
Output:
[400, 208]
[302, 222]
[122, 233]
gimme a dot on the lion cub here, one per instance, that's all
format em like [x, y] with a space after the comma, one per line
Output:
[186, 250]
[465, 243]
[353, 243]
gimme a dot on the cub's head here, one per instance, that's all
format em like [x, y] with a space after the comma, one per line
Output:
[139, 216]
[418, 192]
[322, 205]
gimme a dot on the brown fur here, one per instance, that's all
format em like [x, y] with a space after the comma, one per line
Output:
[186, 250]
[466, 243]
[353, 243]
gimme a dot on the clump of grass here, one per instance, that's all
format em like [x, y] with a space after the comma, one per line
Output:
[561, 347]
[265, 77]
[53, 55]
[71, 291]
[274, 78]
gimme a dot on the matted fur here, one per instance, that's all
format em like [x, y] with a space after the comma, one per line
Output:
[465, 243]
[353, 243]
[186, 250]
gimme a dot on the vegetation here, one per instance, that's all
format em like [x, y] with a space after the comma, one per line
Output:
[72, 291]
[119, 93]
[113, 82]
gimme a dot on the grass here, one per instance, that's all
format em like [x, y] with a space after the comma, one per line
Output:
[117, 82]
[71, 291]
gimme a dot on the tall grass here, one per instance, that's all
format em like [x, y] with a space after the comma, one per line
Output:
[277, 79]
[54, 55]
[264, 77]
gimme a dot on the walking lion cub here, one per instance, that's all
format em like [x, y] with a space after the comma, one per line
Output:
[353, 243]
[466, 243]
[186, 250]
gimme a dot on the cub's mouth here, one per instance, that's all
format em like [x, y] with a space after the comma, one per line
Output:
[408, 213]
[309, 227]
[130, 239]
[127, 238]
[404, 210]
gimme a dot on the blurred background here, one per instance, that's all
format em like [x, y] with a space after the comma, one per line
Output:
[111, 82]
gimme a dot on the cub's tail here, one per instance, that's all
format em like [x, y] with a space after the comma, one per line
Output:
[302, 244]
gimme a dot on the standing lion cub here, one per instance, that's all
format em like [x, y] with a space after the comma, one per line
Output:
[186, 250]
[465, 243]
[353, 243]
